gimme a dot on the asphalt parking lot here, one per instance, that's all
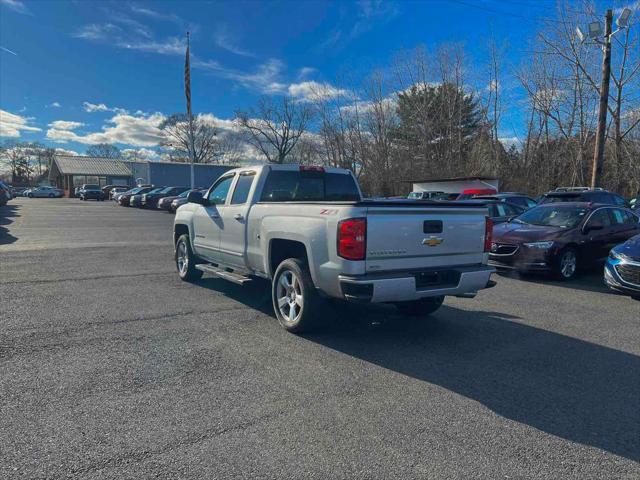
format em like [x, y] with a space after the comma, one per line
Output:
[111, 367]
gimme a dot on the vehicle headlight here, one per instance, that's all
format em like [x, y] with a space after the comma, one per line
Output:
[540, 245]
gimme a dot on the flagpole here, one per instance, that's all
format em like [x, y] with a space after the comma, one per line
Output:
[187, 88]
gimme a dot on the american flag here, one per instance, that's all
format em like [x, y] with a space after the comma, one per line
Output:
[187, 78]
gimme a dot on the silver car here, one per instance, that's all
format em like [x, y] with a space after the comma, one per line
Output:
[44, 192]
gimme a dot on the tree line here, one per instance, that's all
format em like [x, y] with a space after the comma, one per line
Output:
[434, 113]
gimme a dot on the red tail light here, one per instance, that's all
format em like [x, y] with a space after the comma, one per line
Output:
[352, 238]
[488, 234]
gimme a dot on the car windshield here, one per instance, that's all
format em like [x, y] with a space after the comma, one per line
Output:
[166, 190]
[560, 198]
[553, 216]
[185, 193]
[91, 187]
[156, 190]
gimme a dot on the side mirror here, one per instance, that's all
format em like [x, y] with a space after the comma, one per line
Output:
[196, 197]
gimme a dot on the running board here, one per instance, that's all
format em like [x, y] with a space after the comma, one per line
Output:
[219, 272]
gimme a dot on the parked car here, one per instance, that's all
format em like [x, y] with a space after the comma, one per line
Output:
[519, 199]
[116, 190]
[472, 192]
[150, 200]
[124, 198]
[561, 238]
[622, 269]
[499, 212]
[582, 194]
[136, 200]
[182, 199]
[17, 191]
[91, 191]
[106, 190]
[44, 192]
[424, 195]
[76, 191]
[309, 230]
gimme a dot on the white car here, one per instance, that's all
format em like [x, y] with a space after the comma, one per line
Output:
[44, 192]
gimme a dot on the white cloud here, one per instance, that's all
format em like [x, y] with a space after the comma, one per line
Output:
[140, 154]
[140, 131]
[4, 49]
[508, 142]
[147, 12]
[55, 105]
[95, 31]
[223, 39]
[65, 125]
[266, 78]
[304, 72]
[101, 107]
[309, 91]
[64, 151]
[16, 6]
[11, 125]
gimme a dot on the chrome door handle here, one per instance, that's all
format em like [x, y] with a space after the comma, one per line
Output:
[238, 216]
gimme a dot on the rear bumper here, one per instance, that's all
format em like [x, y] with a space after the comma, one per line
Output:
[402, 286]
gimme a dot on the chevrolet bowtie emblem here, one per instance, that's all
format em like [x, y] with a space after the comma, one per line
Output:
[432, 241]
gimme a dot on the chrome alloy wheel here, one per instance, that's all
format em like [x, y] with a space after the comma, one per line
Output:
[182, 258]
[568, 264]
[289, 296]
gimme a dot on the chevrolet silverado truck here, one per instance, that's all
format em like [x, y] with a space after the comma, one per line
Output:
[309, 231]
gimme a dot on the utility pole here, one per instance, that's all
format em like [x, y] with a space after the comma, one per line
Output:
[598, 154]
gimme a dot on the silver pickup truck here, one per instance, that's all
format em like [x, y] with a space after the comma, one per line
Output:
[309, 231]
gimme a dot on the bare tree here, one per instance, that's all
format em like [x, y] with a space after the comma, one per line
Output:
[179, 137]
[275, 126]
[104, 150]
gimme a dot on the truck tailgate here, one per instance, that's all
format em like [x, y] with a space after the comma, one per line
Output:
[406, 237]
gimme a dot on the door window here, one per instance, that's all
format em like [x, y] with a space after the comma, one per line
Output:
[243, 185]
[219, 192]
[618, 216]
[600, 218]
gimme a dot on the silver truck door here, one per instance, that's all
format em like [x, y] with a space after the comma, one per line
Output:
[233, 237]
[208, 221]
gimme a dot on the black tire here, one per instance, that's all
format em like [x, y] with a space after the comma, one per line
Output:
[291, 281]
[51, 195]
[420, 308]
[563, 269]
[30, 195]
[186, 260]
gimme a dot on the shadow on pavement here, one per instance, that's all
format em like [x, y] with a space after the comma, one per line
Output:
[7, 215]
[590, 280]
[561, 385]
[564, 386]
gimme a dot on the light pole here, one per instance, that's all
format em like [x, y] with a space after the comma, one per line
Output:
[595, 32]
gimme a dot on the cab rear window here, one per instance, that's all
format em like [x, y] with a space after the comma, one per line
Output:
[292, 185]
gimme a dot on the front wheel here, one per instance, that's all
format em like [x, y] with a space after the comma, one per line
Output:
[186, 260]
[30, 195]
[567, 264]
[295, 300]
[51, 195]
[422, 307]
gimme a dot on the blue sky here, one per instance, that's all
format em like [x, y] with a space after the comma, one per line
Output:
[78, 72]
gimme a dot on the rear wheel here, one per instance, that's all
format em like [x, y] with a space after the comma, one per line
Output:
[30, 195]
[567, 264]
[186, 260]
[422, 307]
[294, 296]
[51, 195]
